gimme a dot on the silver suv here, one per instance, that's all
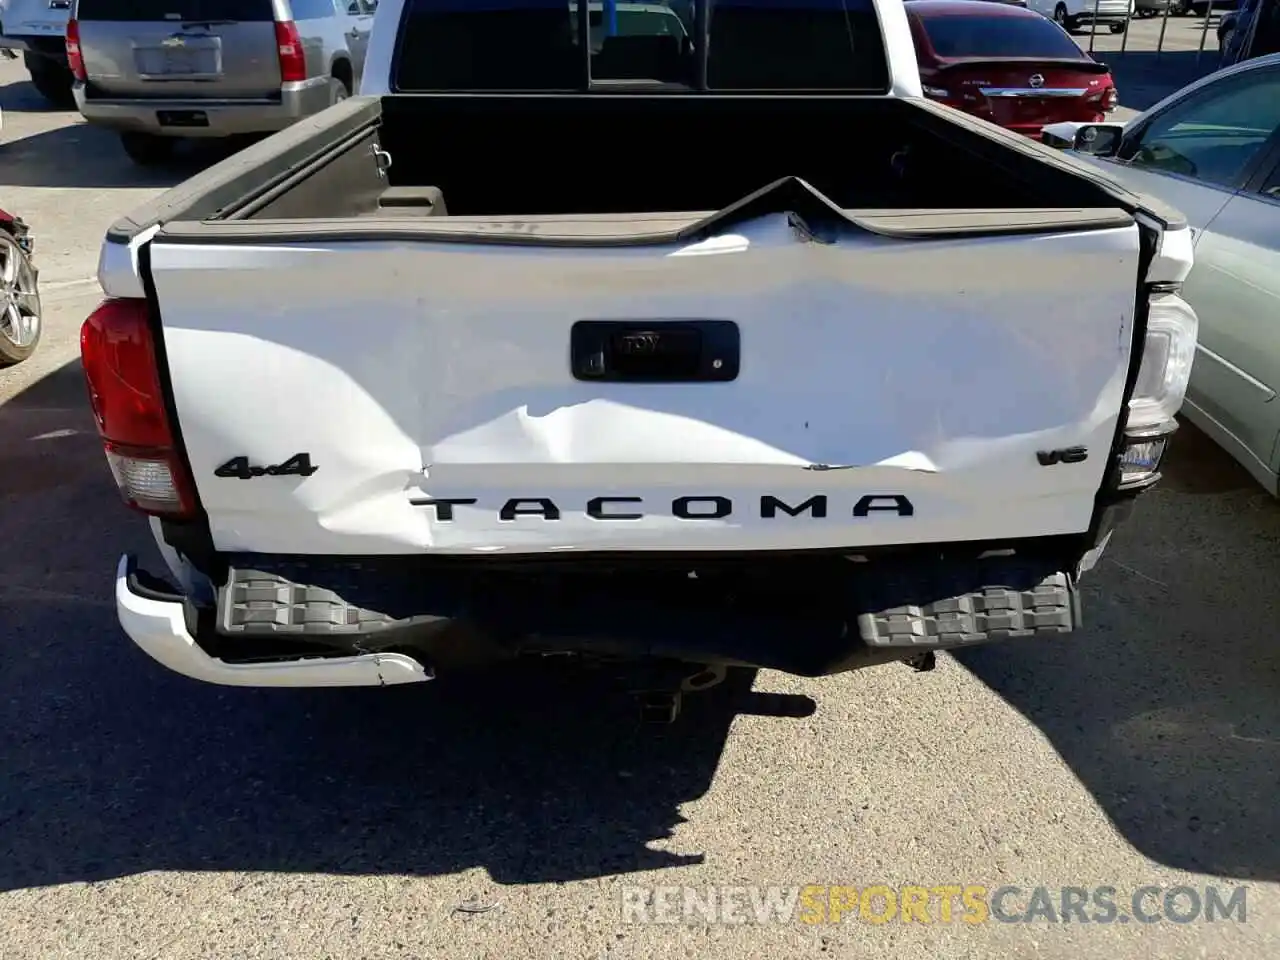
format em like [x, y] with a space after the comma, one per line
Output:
[157, 70]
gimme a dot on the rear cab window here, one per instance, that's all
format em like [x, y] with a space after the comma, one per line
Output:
[959, 35]
[450, 46]
[176, 11]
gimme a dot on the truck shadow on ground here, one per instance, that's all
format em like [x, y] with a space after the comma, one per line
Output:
[110, 766]
[1167, 707]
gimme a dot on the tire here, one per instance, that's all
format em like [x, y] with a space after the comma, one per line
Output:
[339, 90]
[1119, 27]
[51, 78]
[21, 319]
[1061, 18]
[146, 149]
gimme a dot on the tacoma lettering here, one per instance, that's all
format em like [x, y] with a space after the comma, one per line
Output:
[692, 508]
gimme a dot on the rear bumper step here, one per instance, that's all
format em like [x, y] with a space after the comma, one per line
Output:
[159, 625]
[270, 628]
[807, 621]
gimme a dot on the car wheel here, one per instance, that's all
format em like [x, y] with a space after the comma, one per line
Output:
[51, 79]
[338, 90]
[146, 149]
[1060, 16]
[20, 317]
[1119, 27]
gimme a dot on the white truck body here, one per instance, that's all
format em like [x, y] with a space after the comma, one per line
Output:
[940, 382]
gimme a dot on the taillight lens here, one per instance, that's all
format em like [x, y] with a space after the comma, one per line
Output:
[74, 59]
[293, 62]
[1167, 356]
[1110, 99]
[123, 377]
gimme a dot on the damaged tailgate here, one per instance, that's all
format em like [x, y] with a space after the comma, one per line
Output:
[774, 377]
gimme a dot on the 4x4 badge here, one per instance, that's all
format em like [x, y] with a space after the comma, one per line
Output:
[239, 468]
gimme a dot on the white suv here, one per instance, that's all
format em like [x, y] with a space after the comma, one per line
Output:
[37, 29]
[1072, 14]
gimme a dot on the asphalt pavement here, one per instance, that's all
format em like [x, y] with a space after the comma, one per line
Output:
[145, 815]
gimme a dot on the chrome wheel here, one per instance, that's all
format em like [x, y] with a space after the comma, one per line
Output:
[19, 303]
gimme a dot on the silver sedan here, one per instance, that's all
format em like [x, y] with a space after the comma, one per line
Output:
[1212, 150]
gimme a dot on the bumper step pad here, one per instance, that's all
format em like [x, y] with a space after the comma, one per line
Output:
[260, 603]
[1051, 606]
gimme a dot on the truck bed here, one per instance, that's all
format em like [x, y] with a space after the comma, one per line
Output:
[655, 165]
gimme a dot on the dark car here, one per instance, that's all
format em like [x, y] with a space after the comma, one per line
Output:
[1006, 64]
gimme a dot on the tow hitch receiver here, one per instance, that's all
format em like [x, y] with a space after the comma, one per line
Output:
[661, 698]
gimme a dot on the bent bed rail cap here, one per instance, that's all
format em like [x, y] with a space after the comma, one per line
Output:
[1170, 217]
[649, 229]
[227, 181]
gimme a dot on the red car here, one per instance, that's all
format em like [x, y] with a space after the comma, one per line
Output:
[1006, 64]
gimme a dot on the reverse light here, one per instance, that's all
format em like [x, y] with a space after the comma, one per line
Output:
[1141, 456]
[1110, 100]
[293, 61]
[123, 376]
[75, 60]
[1167, 355]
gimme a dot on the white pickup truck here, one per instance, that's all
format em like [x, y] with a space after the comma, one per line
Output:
[708, 341]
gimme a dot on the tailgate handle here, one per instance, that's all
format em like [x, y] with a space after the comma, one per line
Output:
[655, 351]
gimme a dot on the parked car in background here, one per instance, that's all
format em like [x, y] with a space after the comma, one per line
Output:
[159, 70]
[1073, 14]
[1213, 151]
[1006, 65]
[20, 316]
[1180, 8]
[35, 30]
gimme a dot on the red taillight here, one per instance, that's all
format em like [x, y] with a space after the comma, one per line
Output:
[293, 63]
[74, 60]
[123, 376]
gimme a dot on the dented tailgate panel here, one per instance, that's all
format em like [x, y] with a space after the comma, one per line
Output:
[888, 391]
